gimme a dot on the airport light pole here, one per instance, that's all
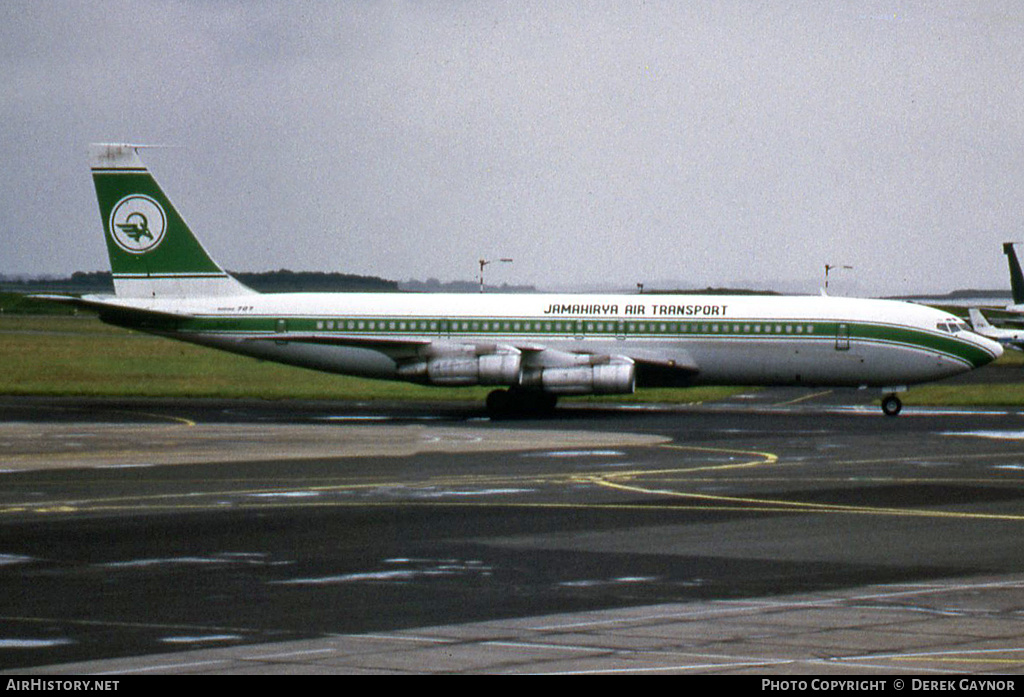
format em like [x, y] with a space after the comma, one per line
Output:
[829, 267]
[485, 262]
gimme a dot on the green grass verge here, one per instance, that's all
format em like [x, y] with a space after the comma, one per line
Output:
[981, 395]
[81, 356]
[21, 304]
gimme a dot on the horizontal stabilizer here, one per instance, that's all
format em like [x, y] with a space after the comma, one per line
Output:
[118, 314]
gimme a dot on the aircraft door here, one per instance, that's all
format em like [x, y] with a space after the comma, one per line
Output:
[843, 337]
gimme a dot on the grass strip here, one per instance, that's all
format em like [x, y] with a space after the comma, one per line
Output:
[81, 356]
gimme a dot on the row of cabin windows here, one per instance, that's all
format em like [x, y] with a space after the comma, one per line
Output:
[433, 326]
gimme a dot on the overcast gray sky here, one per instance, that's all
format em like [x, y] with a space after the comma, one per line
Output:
[697, 142]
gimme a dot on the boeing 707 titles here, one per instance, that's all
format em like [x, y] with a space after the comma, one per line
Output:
[532, 348]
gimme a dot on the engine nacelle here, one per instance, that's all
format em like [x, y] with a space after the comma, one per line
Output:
[489, 369]
[617, 377]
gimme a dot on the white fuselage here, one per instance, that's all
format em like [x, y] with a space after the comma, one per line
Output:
[674, 339]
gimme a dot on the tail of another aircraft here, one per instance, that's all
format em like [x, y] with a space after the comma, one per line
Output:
[978, 321]
[1016, 277]
[153, 253]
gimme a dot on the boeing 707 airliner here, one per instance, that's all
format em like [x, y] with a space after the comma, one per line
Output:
[532, 348]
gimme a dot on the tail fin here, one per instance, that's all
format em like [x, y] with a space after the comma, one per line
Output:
[1016, 277]
[153, 253]
[978, 320]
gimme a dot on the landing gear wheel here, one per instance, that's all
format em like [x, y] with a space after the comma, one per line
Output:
[499, 403]
[892, 405]
[503, 404]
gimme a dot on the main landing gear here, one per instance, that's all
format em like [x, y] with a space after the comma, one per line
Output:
[891, 405]
[513, 403]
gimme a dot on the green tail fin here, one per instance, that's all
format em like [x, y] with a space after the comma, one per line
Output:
[153, 253]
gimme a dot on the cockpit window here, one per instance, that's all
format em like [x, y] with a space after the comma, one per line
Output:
[952, 327]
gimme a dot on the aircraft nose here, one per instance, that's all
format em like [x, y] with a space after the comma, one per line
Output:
[993, 348]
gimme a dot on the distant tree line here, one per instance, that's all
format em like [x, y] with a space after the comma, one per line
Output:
[78, 282]
[265, 281]
[712, 291]
[285, 281]
[433, 285]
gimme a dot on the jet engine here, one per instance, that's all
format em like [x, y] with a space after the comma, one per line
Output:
[460, 369]
[618, 376]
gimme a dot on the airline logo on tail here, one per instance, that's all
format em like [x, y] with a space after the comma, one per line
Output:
[138, 224]
[153, 253]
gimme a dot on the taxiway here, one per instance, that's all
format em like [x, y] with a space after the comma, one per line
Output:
[776, 532]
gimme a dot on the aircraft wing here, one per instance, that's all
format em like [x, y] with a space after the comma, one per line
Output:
[357, 341]
[664, 369]
[653, 366]
[534, 353]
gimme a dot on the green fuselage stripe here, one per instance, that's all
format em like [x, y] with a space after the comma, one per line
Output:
[367, 328]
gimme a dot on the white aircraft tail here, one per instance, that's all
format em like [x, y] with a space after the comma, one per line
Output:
[978, 320]
[153, 253]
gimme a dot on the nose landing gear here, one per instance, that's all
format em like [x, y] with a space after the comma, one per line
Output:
[891, 405]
